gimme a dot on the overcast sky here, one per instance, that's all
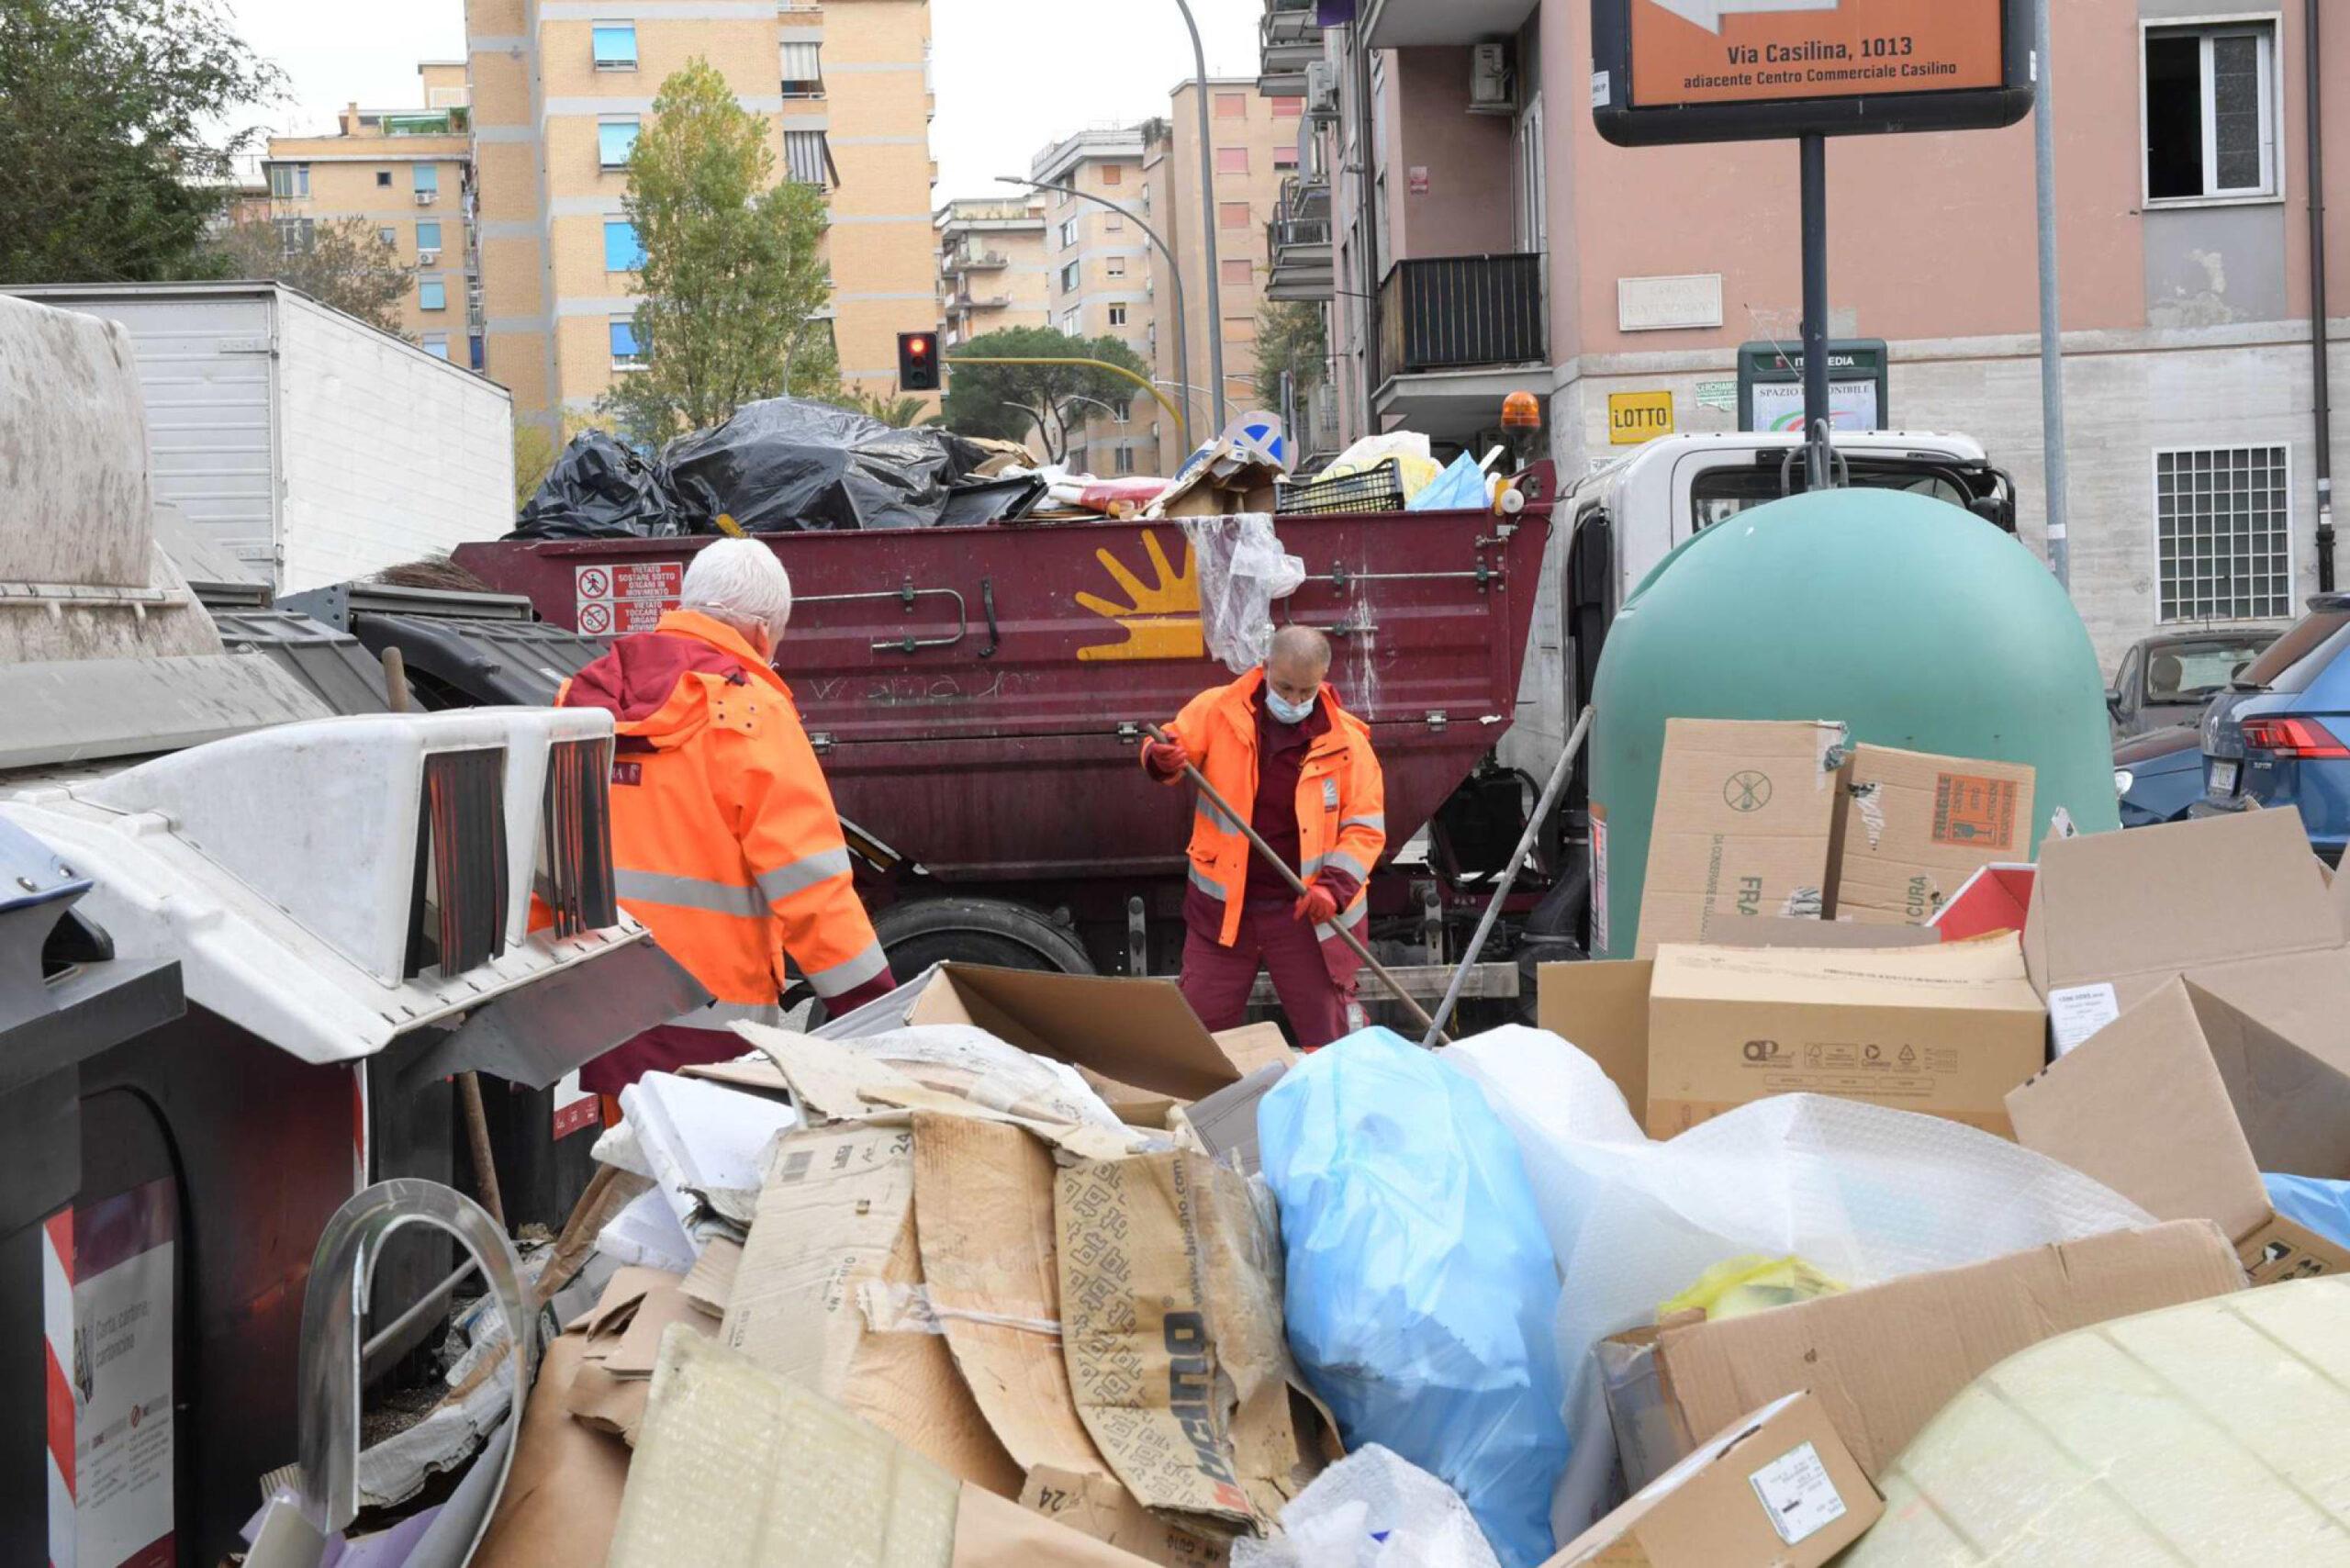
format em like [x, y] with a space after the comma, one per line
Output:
[1012, 75]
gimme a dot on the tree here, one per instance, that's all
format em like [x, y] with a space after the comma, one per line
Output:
[118, 135]
[732, 281]
[1289, 338]
[899, 412]
[1008, 401]
[341, 262]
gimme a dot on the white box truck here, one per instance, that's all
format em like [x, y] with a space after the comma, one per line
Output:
[309, 445]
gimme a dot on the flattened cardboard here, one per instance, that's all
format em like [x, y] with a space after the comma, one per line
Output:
[837, 1214]
[710, 1283]
[1996, 897]
[1946, 1030]
[1226, 1120]
[1601, 1008]
[1255, 1045]
[1136, 1036]
[2180, 1103]
[1916, 827]
[564, 1492]
[1881, 1360]
[991, 1532]
[1777, 1489]
[1171, 1322]
[1842, 934]
[1097, 1506]
[1745, 825]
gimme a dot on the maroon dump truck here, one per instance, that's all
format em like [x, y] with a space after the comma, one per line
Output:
[977, 697]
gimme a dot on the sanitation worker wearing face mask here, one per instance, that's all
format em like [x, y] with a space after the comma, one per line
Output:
[1276, 743]
[725, 843]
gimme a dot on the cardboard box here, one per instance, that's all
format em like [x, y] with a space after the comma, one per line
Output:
[1777, 1489]
[1916, 827]
[564, 1492]
[1947, 1030]
[1996, 897]
[1881, 1360]
[2180, 1103]
[1745, 825]
[2235, 904]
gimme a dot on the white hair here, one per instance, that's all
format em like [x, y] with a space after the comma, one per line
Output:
[740, 582]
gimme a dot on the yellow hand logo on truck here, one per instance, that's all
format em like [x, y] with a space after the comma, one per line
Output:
[1161, 619]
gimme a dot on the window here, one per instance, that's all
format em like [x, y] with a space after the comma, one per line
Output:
[389, 237]
[1117, 315]
[2211, 109]
[803, 74]
[437, 344]
[431, 294]
[1124, 408]
[1284, 157]
[428, 236]
[1068, 233]
[478, 353]
[1123, 461]
[1069, 279]
[295, 234]
[1232, 160]
[622, 251]
[615, 46]
[382, 176]
[1115, 267]
[1232, 106]
[1237, 272]
[289, 182]
[615, 139]
[428, 176]
[806, 160]
[1073, 322]
[1232, 215]
[626, 354]
[2221, 528]
[1113, 224]
[1288, 109]
[1114, 173]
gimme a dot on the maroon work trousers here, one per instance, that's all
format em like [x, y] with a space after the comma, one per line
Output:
[1217, 980]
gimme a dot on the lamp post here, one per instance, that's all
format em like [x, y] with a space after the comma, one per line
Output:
[1182, 338]
[1207, 212]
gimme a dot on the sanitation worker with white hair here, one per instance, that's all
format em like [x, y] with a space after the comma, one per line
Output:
[725, 843]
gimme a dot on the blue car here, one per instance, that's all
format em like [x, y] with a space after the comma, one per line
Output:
[2280, 734]
[2159, 775]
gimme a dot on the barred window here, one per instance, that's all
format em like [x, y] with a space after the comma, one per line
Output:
[2222, 520]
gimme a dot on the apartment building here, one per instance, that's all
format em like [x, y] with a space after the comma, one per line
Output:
[991, 268]
[1482, 238]
[408, 174]
[1100, 263]
[1253, 149]
[560, 90]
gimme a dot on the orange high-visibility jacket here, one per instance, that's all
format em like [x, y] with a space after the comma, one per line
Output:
[1342, 807]
[725, 843]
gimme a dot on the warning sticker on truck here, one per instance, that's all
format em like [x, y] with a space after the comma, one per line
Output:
[625, 596]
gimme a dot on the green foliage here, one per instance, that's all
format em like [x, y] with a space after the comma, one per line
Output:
[1008, 401]
[733, 283]
[899, 412]
[1289, 338]
[339, 261]
[118, 135]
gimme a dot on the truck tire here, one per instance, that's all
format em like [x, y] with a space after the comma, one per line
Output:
[923, 932]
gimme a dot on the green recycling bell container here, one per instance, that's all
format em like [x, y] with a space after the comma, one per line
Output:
[1914, 622]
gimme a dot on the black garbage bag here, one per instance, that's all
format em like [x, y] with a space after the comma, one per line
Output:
[600, 489]
[786, 464]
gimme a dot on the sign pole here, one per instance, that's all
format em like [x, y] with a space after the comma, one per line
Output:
[1818, 415]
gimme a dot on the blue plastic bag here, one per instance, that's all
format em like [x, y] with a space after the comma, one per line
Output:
[1460, 487]
[1421, 1287]
[2313, 1202]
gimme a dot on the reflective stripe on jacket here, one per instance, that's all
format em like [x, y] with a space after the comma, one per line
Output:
[1341, 809]
[725, 843]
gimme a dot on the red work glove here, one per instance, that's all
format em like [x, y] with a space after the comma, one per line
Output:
[1319, 906]
[1165, 759]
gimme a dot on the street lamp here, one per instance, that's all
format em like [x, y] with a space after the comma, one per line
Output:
[1183, 337]
[1207, 212]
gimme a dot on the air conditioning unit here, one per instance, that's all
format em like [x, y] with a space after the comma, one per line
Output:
[427, 258]
[1322, 88]
[1492, 88]
[426, 198]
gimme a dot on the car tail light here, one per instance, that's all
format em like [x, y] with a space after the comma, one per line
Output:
[2293, 737]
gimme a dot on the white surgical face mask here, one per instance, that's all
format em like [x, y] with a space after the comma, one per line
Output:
[1288, 712]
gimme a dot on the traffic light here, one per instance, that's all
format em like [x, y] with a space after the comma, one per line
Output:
[917, 362]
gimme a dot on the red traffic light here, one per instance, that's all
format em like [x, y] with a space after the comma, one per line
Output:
[917, 345]
[917, 362]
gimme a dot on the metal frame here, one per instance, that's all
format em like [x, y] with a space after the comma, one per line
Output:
[2272, 86]
[2154, 532]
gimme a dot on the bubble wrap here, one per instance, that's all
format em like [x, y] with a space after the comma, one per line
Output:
[1372, 1509]
[971, 1062]
[1861, 1192]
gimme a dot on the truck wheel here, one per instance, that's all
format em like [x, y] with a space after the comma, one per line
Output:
[923, 932]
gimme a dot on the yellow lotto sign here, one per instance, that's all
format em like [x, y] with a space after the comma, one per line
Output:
[1636, 416]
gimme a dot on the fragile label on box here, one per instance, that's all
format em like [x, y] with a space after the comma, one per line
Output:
[1975, 811]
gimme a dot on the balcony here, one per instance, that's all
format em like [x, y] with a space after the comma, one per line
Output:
[1298, 240]
[1458, 334]
[1288, 39]
[967, 303]
[1406, 23]
[987, 262]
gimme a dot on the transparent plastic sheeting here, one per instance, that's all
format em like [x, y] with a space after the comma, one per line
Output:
[1861, 1192]
[1372, 1509]
[2217, 1433]
[967, 1060]
[1420, 1286]
[1242, 569]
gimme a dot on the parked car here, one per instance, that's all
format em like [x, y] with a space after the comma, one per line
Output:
[2277, 736]
[2167, 678]
[2159, 775]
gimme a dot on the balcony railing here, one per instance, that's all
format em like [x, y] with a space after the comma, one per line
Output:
[1452, 312]
[1288, 39]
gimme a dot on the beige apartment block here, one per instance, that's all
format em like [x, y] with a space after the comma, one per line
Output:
[408, 174]
[1101, 280]
[991, 268]
[560, 91]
